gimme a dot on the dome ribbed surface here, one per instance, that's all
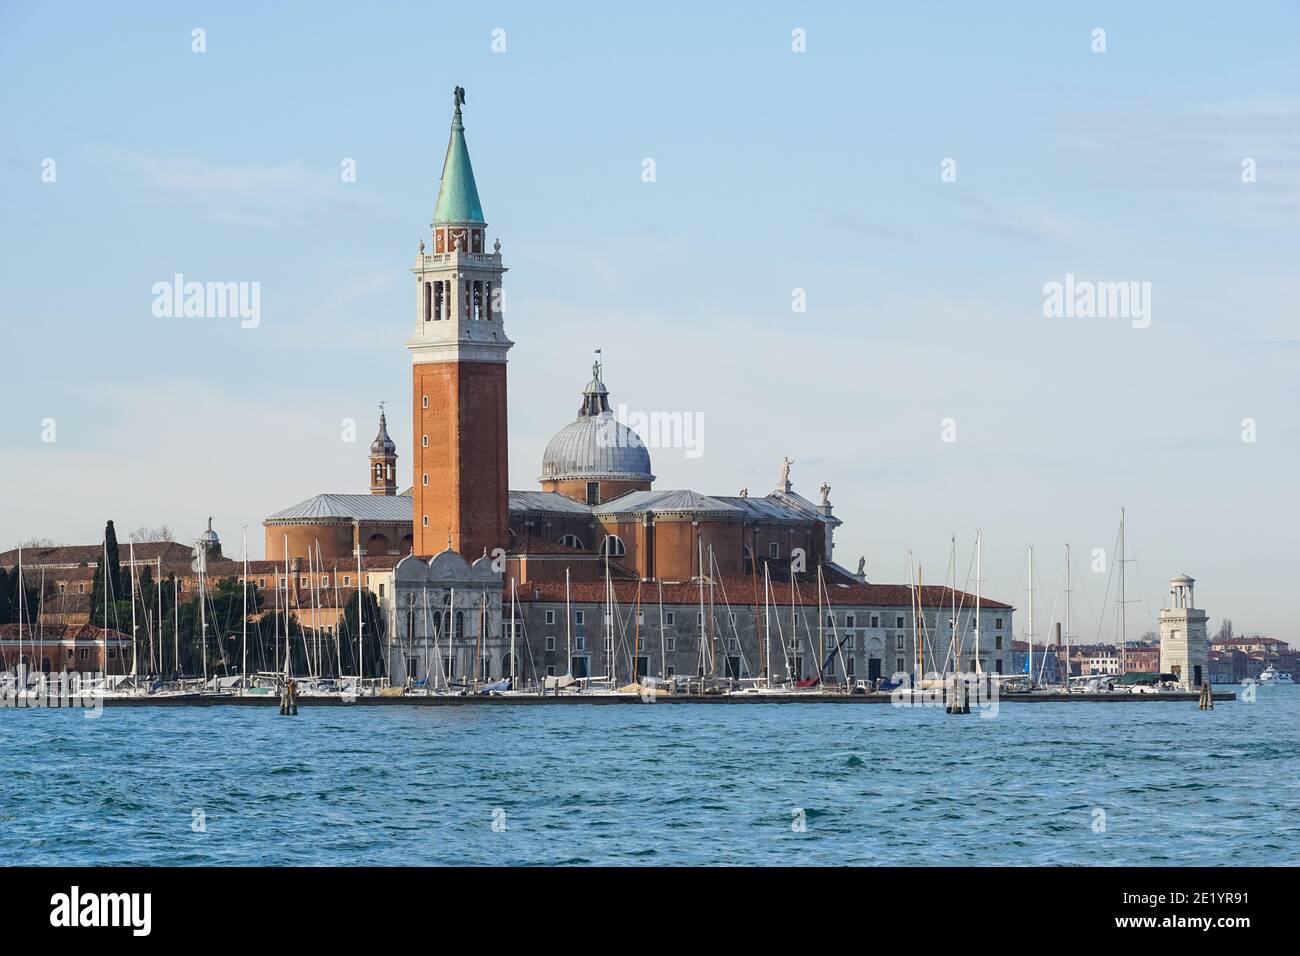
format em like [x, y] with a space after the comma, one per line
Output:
[596, 445]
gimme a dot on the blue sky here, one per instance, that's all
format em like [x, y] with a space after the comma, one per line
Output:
[774, 171]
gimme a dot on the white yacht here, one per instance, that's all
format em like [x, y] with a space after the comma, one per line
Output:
[1271, 675]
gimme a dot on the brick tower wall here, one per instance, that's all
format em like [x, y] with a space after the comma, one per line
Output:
[466, 458]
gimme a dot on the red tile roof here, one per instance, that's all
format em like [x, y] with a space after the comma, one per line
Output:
[742, 590]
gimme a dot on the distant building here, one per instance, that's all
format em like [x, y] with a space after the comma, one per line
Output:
[59, 649]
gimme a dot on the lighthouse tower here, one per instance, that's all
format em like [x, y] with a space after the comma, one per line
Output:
[1184, 644]
[458, 358]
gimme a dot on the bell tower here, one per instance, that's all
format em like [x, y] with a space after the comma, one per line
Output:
[458, 359]
[383, 460]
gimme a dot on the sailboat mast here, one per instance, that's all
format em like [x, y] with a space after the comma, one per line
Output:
[361, 623]
[19, 669]
[568, 621]
[286, 607]
[1031, 615]
[203, 610]
[513, 620]
[135, 653]
[821, 623]
[979, 558]
[158, 589]
[794, 633]
[663, 650]
[243, 666]
[103, 593]
[767, 627]
[609, 619]
[451, 638]
[954, 650]
[1123, 603]
[1067, 617]
[920, 641]
[700, 567]
[713, 627]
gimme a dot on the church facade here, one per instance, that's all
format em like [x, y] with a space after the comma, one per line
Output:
[596, 571]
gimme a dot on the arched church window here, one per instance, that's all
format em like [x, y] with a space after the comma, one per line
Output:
[613, 546]
[571, 541]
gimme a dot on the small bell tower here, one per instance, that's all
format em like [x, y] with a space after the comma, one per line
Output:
[383, 460]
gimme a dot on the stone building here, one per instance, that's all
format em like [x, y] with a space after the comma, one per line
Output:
[1184, 643]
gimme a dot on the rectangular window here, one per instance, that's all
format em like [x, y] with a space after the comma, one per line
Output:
[875, 620]
[997, 643]
[83, 653]
[62, 587]
[550, 670]
[325, 581]
[425, 401]
[578, 618]
[848, 620]
[900, 666]
[261, 582]
[997, 623]
[670, 643]
[550, 617]
[898, 621]
[670, 671]
[550, 643]
[774, 550]
[899, 642]
[347, 579]
[381, 590]
[593, 492]
[670, 618]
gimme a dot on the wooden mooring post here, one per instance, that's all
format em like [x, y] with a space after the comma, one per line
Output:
[1207, 697]
[958, 696]
[289, 699]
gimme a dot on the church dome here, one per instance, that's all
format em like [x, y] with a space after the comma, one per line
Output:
[596, 445]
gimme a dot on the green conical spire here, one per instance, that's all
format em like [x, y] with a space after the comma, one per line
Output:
[458, 195]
